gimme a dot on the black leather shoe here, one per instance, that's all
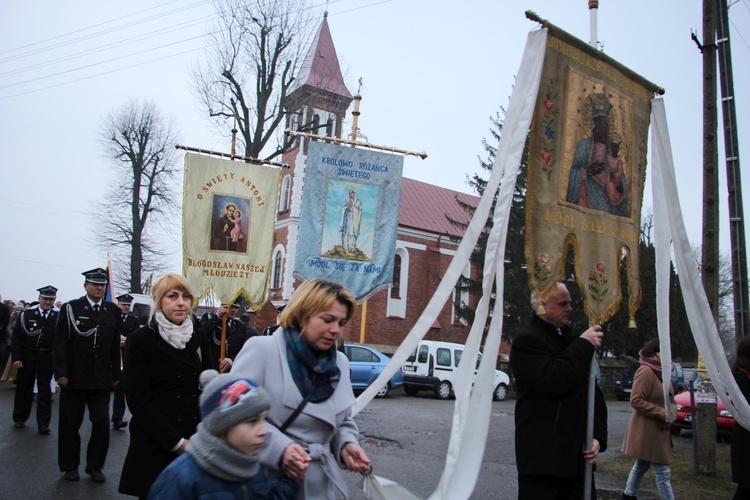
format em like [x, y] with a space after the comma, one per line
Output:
[72, 475]
[19, 425]
[96, 475]
[44, 430]
[119, 424]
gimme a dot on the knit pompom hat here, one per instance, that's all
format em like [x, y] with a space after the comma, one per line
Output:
[228, 400]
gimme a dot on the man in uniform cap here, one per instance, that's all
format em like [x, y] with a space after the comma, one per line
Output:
[87, 367]
[31, 350]
[129, 323]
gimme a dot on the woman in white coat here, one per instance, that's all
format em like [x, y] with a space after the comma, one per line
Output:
[309, 441]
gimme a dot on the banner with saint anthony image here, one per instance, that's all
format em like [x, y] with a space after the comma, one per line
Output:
[229, 212]
[587, 165]
[349, 220]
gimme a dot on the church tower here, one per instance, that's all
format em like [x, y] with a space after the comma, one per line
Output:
[317, 103]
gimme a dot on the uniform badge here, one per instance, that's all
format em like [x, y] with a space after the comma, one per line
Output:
[78, 322]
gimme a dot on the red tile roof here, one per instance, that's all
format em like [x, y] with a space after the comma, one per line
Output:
[425, 206]
[321, 66]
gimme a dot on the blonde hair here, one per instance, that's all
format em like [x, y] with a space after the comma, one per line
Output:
[312, 297]
[165, 284]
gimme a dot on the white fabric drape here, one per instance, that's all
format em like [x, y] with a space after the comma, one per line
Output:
[472, 408]
[669, 227]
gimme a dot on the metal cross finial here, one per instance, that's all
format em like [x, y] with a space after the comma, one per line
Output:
[359, 89]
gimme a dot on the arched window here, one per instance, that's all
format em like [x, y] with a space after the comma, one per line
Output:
[315, 124]
[285, 193]
[396, 285]
[399, 293]
[329, 127]
[277, 261]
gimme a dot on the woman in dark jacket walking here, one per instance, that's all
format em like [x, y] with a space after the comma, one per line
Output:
[163, 363]
[740, 435]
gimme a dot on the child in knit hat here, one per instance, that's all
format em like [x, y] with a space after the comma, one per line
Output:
[222, 456]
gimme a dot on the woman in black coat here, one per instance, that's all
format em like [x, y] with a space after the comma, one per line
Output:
[740, 435]
[162, 366]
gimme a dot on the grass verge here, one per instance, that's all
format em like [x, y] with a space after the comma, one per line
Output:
[614, 470]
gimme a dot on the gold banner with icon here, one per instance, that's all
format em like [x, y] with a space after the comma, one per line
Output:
[587, 165]
[229, 212]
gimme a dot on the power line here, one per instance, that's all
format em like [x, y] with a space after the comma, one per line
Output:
[117, 44]
[77, 55]
[98, 74]
[24, 82]
[93, 35]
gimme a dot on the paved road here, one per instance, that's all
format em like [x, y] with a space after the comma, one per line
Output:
[405, 437]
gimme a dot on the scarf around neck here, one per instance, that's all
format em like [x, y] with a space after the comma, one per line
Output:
[175, 335]
[219, 459]
[653, 362]
[307, 365]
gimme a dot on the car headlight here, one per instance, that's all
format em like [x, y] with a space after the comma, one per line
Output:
[725, 413]
[617, 382]
[679, 407]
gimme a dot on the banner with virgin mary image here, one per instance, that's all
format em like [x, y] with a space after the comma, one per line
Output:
[349, 218]
[587, 165]
[229, 212]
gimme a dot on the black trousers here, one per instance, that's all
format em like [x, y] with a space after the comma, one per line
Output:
[537, 486]
[25, 396]
[73, 404]
[118, 403]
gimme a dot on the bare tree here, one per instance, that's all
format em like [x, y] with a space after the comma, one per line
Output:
[726, 301]
[243, 81]
[139, 141]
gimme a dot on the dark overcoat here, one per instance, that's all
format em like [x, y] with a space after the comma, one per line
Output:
[87, 345]
[162, 392]
[741, 437]
[551, 373]
[33, 338]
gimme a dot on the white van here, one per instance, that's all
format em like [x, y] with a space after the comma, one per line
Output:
[433, 366]
[141, 307]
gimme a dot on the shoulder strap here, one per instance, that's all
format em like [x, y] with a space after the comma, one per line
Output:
[301, 406]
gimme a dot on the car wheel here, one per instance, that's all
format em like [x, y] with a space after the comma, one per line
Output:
[620, 398]
[443, 390]
[383, 392]
[675, 431]
[500, 392]
[410, 391]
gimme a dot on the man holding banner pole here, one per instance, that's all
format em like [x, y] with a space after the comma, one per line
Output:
[551, 367]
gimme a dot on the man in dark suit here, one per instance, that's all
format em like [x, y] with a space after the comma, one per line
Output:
[87, 367]
[235, 336]
[129, 323]
[31, 349]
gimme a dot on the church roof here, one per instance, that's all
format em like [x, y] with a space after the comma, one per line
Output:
[425, 206]
[321, 68]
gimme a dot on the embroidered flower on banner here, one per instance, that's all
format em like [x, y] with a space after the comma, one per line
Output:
[598, 283]
[542, 270]
[548, 136]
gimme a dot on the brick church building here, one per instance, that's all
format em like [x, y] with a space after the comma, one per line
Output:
[318, 101]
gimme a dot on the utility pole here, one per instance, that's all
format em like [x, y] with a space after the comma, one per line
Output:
[705, 424]
[734, 184]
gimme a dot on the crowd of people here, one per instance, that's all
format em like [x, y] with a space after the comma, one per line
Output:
[265, 416]
[219, 411]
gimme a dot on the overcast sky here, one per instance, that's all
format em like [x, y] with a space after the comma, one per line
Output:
[434, 72]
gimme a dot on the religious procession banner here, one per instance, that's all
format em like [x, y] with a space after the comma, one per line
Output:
[587, 165]
[228, 218]
[349, 219]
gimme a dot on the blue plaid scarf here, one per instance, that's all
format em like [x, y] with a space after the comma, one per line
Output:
[306, 365]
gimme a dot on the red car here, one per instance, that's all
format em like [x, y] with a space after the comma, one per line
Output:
[724, 419]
